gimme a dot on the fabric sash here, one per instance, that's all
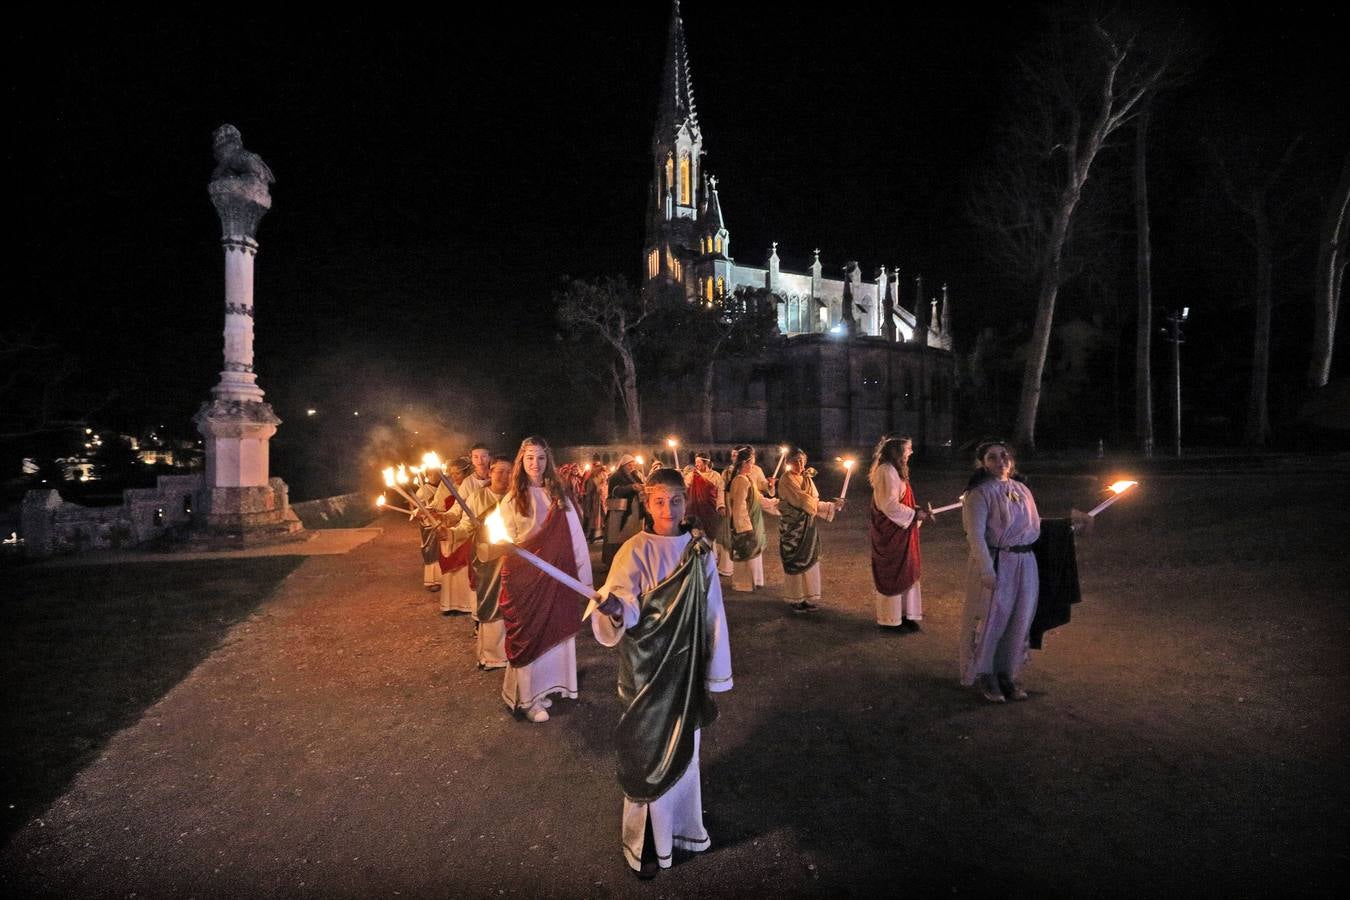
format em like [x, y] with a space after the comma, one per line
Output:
[540, 613]
[798, 538]
[749, 544]
[895, 550]
[663, 667]
[703, 503]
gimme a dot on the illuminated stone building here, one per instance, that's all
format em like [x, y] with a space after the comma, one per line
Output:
[688, 241]
[854, 362]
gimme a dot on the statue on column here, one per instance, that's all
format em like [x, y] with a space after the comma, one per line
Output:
[239, 184]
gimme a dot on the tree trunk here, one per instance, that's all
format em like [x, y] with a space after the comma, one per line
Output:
[1025, 432]
[1143, 332]
[708, 372]
[632, 407]
[1331, 253]
[1257, 431]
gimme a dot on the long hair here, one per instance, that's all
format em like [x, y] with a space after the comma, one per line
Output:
[739, 457]
[981, 474]
[890, 449]
[548, 480]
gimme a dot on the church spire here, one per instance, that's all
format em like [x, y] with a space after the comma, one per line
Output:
[676, 106]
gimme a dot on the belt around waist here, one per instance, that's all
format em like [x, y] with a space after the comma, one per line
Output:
[1020, 548]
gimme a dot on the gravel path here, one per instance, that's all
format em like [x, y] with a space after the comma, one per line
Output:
[1186, 734]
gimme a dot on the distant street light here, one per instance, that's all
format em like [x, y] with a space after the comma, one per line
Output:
[1172, 334]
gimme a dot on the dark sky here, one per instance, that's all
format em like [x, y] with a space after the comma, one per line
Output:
[436, 176]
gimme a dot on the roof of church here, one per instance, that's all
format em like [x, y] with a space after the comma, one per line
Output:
[712, 216]
[676, 104]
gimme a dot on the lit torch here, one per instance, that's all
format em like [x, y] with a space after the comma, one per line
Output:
[782, 455]
[497, 534]
[382, 503]
[1117, 491]
[674, 445]
[848, 473]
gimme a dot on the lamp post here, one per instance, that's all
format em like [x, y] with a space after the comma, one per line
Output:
[1172, 334]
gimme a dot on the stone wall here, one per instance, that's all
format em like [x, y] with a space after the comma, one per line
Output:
[51, 526]
[342, 511]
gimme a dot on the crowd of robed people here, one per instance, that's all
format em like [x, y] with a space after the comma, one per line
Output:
[667, 539]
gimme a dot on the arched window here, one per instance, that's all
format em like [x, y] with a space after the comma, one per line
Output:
[717, 244]
[685, 181]
[670, 174]
[653, 263]
[708, 288]
[721, 286]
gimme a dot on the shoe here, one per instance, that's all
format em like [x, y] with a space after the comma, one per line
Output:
[910, 625]
[536, 714]
[1011, 689]
[891, 629]
[434, 588]
[447, 612]
[545, 703]
[648, 871]
[989, 689]
[803, 606]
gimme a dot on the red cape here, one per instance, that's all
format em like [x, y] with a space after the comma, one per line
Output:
[703, 504]
[539, 612]
[895, 550]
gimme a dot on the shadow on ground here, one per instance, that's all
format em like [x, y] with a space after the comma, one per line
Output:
[85, 651]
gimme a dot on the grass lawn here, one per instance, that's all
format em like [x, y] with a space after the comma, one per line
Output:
[85, 650]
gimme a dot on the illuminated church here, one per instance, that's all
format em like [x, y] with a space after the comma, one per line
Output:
[853, 362]
[688, 242]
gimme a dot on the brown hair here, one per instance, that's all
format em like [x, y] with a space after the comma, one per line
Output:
[520, 481]
[890, 449]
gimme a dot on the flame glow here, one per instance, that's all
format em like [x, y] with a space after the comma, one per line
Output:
[848, 463]
[1121, 487]
[388, 476]
[640, 461]
[402, 475]
[496, 525]
[380, 501]
[430, 461]
[672, 443]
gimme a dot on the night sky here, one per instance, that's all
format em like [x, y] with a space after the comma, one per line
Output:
[437, 176]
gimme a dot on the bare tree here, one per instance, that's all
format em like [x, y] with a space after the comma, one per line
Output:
[1143, 330]
[740, 323]
[611, 309]
[1332, 252]
[1249, 184]
[1080, 86]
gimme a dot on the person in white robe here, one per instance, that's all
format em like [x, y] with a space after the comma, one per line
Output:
[674, 819]
[491, 627]
[528, 687]
[1002, 583]
[456, 594]
[894, 534]
[798, 537]
[746, 505]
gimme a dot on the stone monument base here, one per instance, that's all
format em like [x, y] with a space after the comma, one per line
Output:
[236, 517]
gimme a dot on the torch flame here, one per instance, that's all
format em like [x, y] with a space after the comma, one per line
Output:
[430, 460]
[672, 443]
[848, 463]
[640, 461]
[587, 467]
[782, 448]
[388, 476]
[402, 476]
[380, 501]
[1121, 487]
[496, 525]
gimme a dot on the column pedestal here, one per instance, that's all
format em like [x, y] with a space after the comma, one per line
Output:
[240, 505]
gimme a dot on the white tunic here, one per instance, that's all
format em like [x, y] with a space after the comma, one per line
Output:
[555, 671]
[456, 593]
[804, 585]
[677, 815]
[886, 494]
[995, 627]
[491, 635]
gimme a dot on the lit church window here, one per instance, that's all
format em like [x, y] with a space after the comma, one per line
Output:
[653, 263]
[708, 289]
[721, 286]
[670, 173]
[685, 179]
[717, 244]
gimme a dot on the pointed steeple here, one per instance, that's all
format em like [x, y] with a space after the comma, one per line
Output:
[713, 221]
[676, 104]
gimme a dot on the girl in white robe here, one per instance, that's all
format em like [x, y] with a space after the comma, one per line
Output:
[1002, 583]
[676, 817]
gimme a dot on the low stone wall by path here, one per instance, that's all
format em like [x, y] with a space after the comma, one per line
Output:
[51, 526]
[342, 511]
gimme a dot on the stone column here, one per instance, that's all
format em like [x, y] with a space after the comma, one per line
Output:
[240, 500]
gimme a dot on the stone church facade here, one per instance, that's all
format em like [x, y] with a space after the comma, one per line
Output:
[854, 362]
